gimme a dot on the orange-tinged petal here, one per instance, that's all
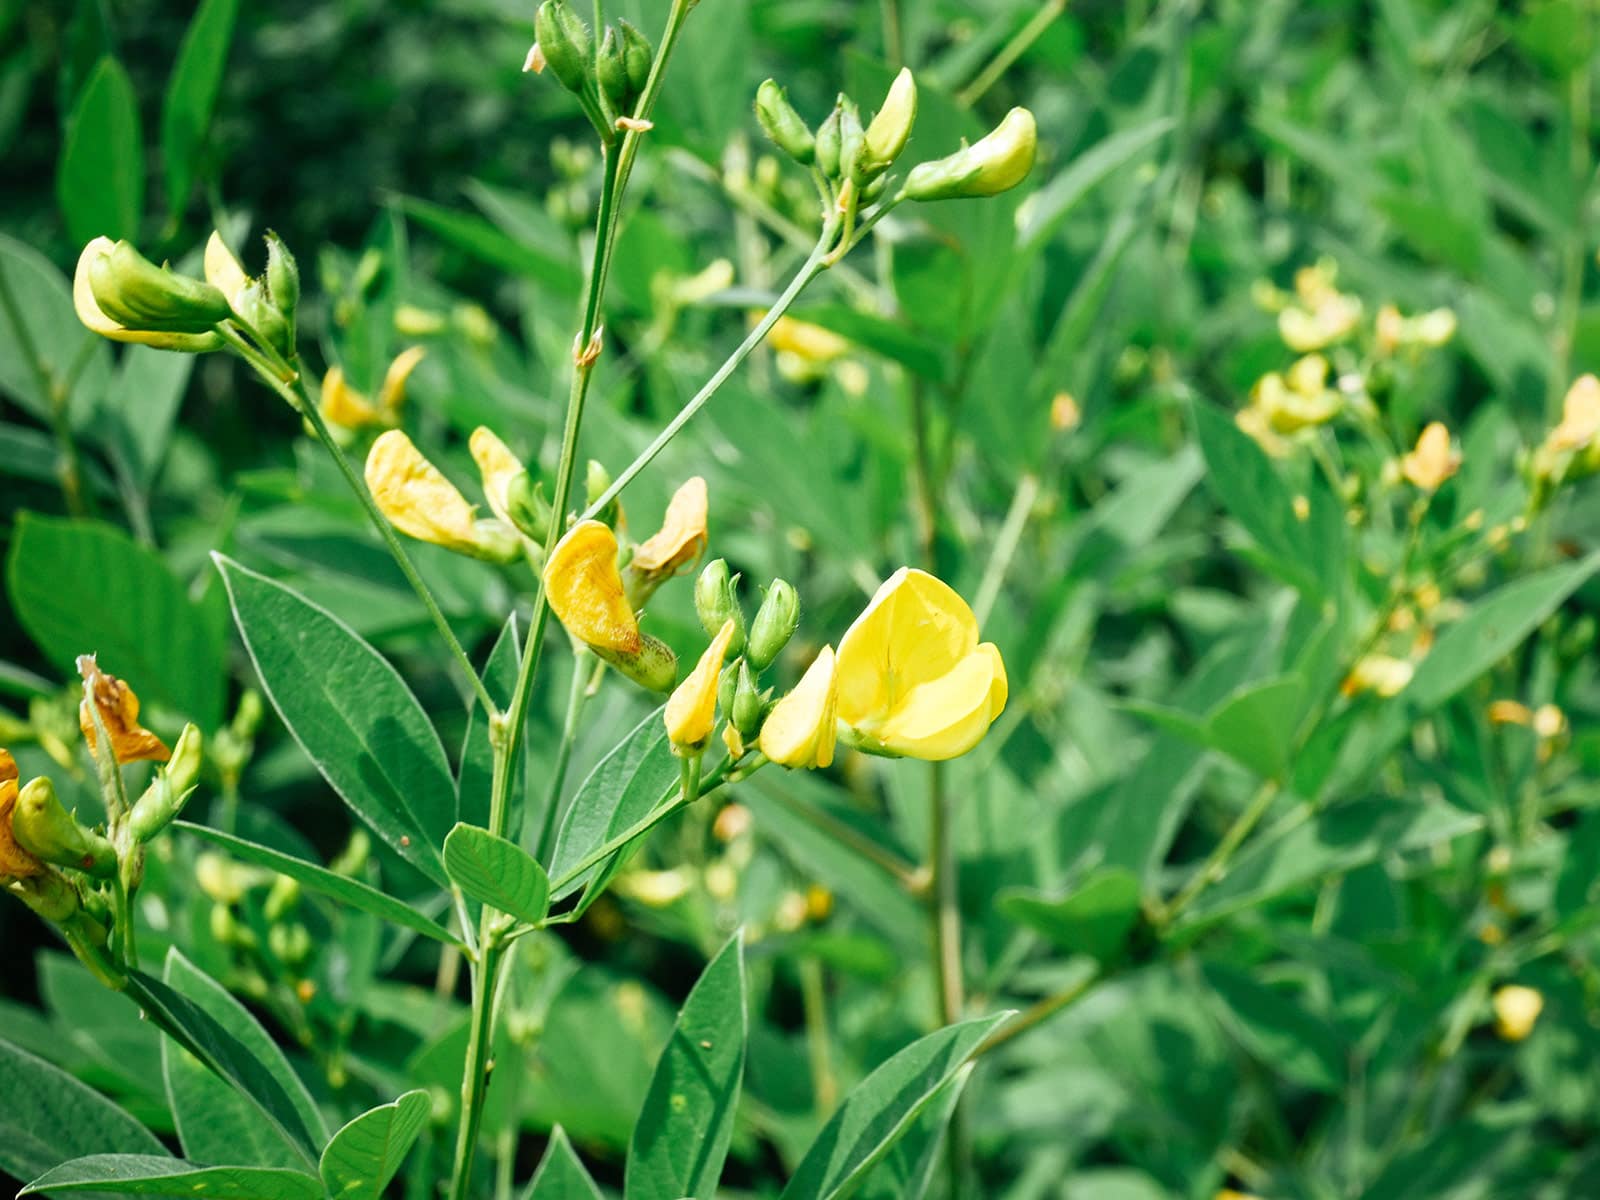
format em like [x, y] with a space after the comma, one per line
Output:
[585, 589]
[15, 862]
[682, 536]
[118, 707]
[8, 767]
[691, 710]
[801, 729]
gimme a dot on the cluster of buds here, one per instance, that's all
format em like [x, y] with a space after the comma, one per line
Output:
[607, 77]
[228, 884]
[1571, 450]
[64, 869]
[121, 295]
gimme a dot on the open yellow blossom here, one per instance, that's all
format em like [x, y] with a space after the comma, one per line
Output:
[344, 406]
[1433, 461]
[691, 710]
[914, 681]
[681, 538]
[585, 589]
[118, 707]
[1320, 314]
[801, 729]
[1516, 1011]
[1299, 398]
[421, 503]
[95, 319]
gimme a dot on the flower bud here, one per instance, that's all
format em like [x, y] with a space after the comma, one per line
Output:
[851, 136]
[122, 296]
[170, 789]
[745, 711]
[283, 277]
[566, 44]
[255, 308]
[691, 712]
[50, 894]
[827, 144]
[993, 164]
[637, 56]
[596, 480]
[612, 74]
[528, 508]
[783, 125]
[45, 829]
[282, 897]
[1516, 1011]
[715, 602]
[774, 625]
[886, 137]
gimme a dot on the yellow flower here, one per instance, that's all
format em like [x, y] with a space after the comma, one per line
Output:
[222, 269]
[1509, 712]
[681, 538]
[421, 503]
[1516, 1010]
[344, 406]
[1298, 399]
[801, 729]
[1321, 315]
[15, 862]
[119, 713]
[497, 467]
[810, 343]
[585, 589]
[95, 319]
[1381, 674]
[691, 710]
[913, 679]
[1433, 461]
[1580, 415]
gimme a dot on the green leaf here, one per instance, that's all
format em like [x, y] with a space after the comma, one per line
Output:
[561, 1176]
[363, 1156]
[141, 406]
[1276, 1029]
[52, 339]
[351, 713]
[497, 872]
[100, 179]
[682, 1135]
[1256, 724]
[882, 1107]
[194, 1028]
[1094, 918]
[905, 1172]
[479, 239]
[60, 1118]
[1041, 215]
[151, 1175]
[192, 97]
[81, 586]
[625, 786]
[354, 892]
[1492, 628]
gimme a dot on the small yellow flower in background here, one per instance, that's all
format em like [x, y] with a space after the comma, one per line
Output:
[585, 589]
[691, 711]
[1429, 330]
[1252, 420]
[819, 902]
[1510, 712]
[801, 729]
[347, 408]
[732, 823]
[1319, 315]
[1549, 721]
[1065, 415]
[1298, 399]
[1230, 1194]
[1433, 461]
[681, 539]
[95, 319]
[656, 889]
[810, 343]
[1580, 415]
[118, 707]
[913, 679]
[1516, 1011]
[421, 503]
[15, 862]
[1382, 674]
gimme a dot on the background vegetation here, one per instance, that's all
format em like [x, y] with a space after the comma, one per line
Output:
[1035, 398]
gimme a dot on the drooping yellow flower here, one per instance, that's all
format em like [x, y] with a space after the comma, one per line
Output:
[1516, 1011]
[913, 679]
[95, 319]
[801, 729]
[1433, 461]
[118, 707]
[421, 503]
[691, 711]
[681, 538]
[585, 589]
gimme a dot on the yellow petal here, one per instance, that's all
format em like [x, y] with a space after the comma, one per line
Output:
[801, 729]
[585, 589]
[692, 708]
[8, 768]
[812, 343]
[682, 535]
[945, 717]
[222, 269]
[1000, 688]
[342, 405]
[392, 395]
[15, 862]
[421, 503]
[915, 630]
[96, 321]
[1433, 461]
[119, 712]
[1580, 415]
[1516, 1011]
[497, 467]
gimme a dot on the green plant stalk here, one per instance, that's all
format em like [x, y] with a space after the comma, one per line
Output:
[1216, 863]
[1010, 52]
[475, 1075]
[1037, 1014]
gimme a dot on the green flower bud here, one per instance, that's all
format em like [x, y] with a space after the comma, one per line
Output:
[281, 898]
[886, 137]
[991, 165]
[289, 943]
[748, 705]
[247, 717]
[596, 480]
[774, 625]
[851, 136]
[612, 74]
[827, 147]
[283, 277]
[782, 125]
[527, 507]
[169, 790]
[255, 308]
[50, 894]
[566, 44]
[638, 55]
[48, 831]
[715, 601]
[653, 665]
[137, 294]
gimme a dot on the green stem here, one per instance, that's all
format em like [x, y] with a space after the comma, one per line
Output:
[1005, 547]
[1010, 52]
[1216, 865]
[1035, 1015]
[475, 1077]
[814, 997]
[946, 901]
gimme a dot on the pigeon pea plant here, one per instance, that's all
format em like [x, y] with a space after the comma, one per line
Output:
[910, 678]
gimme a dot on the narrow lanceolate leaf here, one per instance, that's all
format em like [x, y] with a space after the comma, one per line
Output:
[100, 179]
[324, 882]
[497, 872]
[561, 1176]
[152, 1175]
[882, 1108]
[906, 1170]
[363, 1156]
[351, 713]
[682, 1135]
[192, 97]
[60, 1118]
